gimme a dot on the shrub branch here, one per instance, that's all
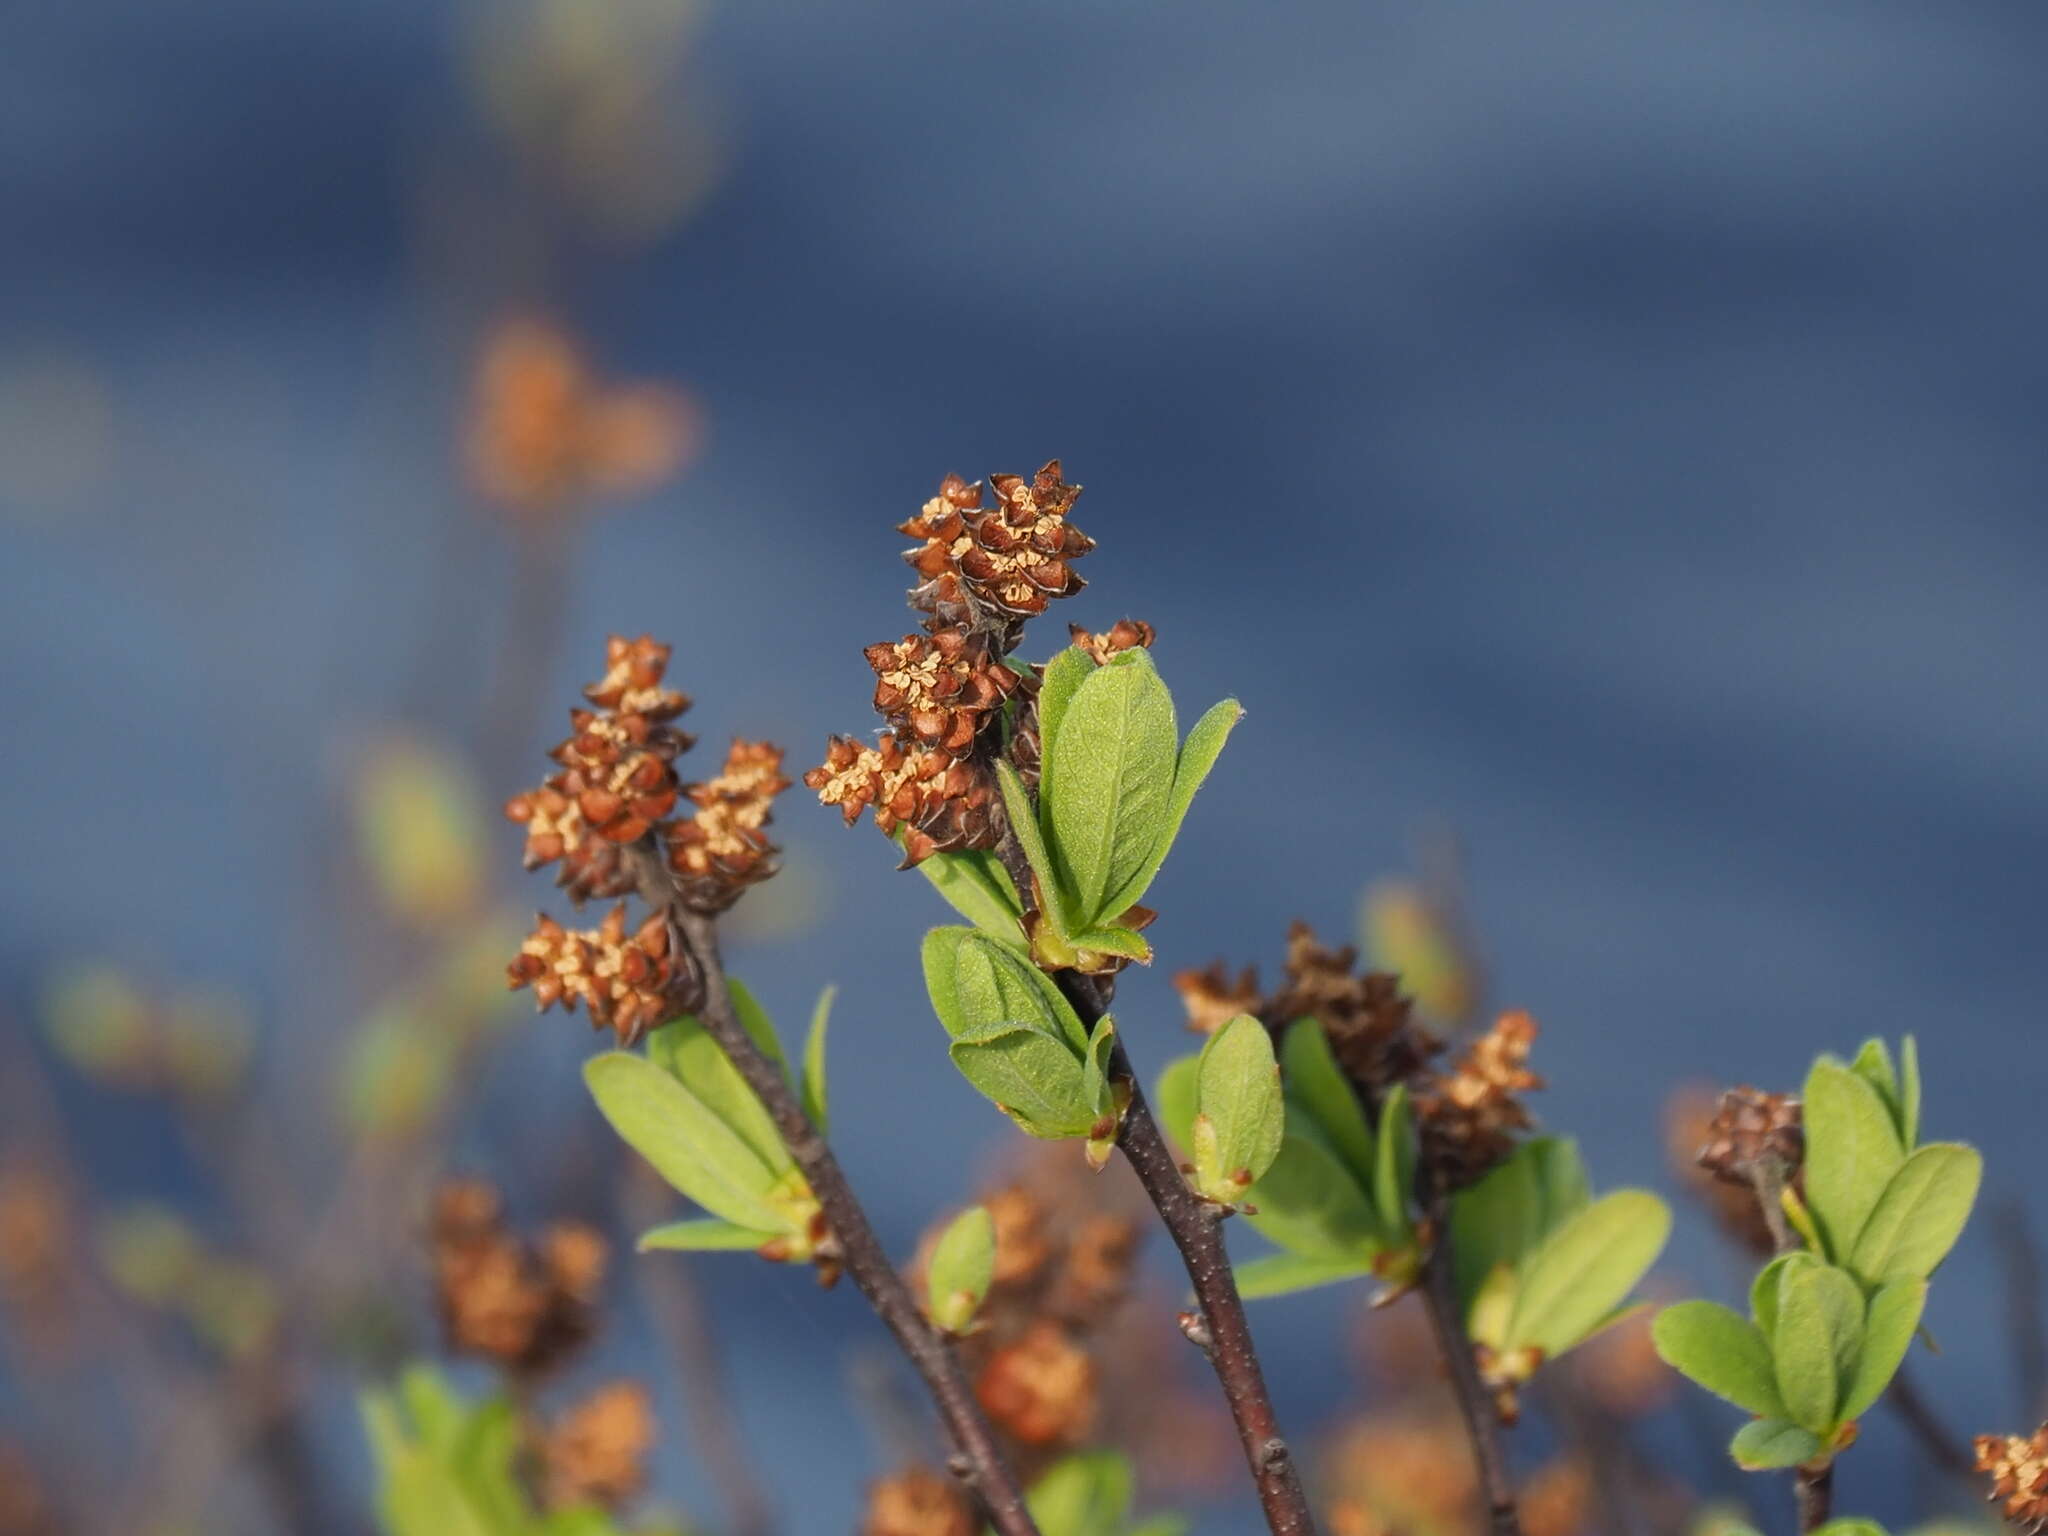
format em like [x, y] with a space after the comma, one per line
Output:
[978, 1460]
[1225, 1336]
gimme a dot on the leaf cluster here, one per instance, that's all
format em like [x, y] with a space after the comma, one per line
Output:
[1335, 1193]
[1019, 1042]
[447, 1467]
[684, 1107]
[1829, 1324]
[1116, 785]
[1540, 1264]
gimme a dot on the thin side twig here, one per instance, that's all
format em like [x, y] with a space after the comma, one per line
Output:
[1475, 1403]
[979, 1460]
[1225, 1333]
[676, 1307]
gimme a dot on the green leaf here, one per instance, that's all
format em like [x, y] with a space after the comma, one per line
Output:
[1850, 1525]
[1820, 1330]
[975, 980]
[1095, 1066]
[1920, 1214]
[1060, 901]
[1722, 1351]
[1063, 674]
[1282, 1274]
[1763, 1291]
[1107, 787]
[700, 1064]
[1909, 1092]
[1317, 1087]
[1495, 1223]
[688, 1144]
[1889, 1324]
[709, 1235]
[961, 1267]
[1198, 755]
[813, 1092]
[1764, 1445]
[1586, 1268]
[1237, 1094]
[976, 886]
[1029, 1075]
[1082, 1495]
[1394, 1173]
[1308, 1203]
[1124, 942]
[1504, 1217]
[1173, 1096]
[1852, 1151]
[1873, 1063]
[755, 1021]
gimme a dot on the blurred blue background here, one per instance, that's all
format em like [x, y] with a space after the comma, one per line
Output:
[1611, 430]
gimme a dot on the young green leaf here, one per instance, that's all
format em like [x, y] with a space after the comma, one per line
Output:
[1909, 1092]
[1317, 1088]
[1107, 785]
[1495, 1223]
[975, 980]
[961, 1267]
[1282, 1274]
[975, 885]
[1063, 674]
[1763, 1291]
[754, 1019]
[1125, 943]
[1095, 1076]
[708, 1235]
[1873, 1064]
[1819, 1331]
[700, 1064]
[1501, 1219]
[1850, 1525]
[1920, 1214]
[1061, 903]
[1173, 1098]
[1088, 1494]
[1239, 1116]
[813, 1092]
[1585, 1269]
[688, 1145]
[1722, 1351]
[1394, 1162]
[1030, 1076]
[1764, 1445]
[1852, 1151]
[1198, 755]
[1889, 1324]
[1308, 1203]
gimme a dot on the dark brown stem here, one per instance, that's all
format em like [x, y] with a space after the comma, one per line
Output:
[1816, 1492]
[1475, 1402]
[979, 1459]
[1942, 1448]
[1226, 1335]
